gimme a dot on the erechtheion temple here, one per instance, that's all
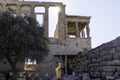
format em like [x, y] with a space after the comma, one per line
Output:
[72, 33]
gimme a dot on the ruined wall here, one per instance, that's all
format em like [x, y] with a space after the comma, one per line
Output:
[101, 61]
[62, 43]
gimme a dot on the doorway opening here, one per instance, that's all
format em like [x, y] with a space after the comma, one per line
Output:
[67, 63]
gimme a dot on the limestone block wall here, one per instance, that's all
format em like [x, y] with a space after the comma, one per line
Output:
[101, 61]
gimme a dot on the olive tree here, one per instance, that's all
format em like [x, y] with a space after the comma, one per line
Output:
[21, 37]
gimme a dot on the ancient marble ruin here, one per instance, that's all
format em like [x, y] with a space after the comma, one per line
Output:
[70, 45]
[62, 46]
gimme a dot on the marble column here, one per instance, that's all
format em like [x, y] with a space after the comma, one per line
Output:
[77, 29]
[87, 30]
[66, 65]
[46, 21]
[61, 24]
[83, 34]
[32, 13]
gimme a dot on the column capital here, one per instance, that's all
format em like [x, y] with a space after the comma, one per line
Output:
[32, 6]
[46, 6]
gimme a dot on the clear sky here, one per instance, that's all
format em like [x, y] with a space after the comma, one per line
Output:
[105, 17]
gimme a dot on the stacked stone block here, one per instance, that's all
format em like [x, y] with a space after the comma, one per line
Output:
[101, 61]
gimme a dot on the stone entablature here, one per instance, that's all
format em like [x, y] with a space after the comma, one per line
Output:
[76, 18]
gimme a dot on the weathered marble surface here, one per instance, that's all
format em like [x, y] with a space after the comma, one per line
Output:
[101, 61]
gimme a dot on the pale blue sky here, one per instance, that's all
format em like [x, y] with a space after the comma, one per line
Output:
[105, 17]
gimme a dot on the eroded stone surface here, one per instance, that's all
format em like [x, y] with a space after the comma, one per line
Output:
[104, 59]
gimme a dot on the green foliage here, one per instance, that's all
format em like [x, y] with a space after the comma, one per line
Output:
[21, 37]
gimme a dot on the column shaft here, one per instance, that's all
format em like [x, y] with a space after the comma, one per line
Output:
[87, 30]
[32, 13]
[65, 64]
[46, 21]
[77, 29]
